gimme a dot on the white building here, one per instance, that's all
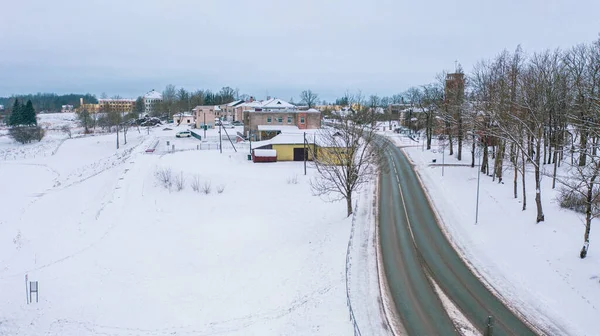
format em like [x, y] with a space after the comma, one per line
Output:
[64, 108]
[185, 118]
[150, 99]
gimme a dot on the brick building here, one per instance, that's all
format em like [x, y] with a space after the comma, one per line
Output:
[309, 119]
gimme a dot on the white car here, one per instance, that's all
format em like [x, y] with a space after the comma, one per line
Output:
[226, 124]
[183, 134]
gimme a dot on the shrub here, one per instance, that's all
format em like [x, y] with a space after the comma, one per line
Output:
[179, 181]
[220, 188]
[26, 134]
[206, 188]
[165, 177]
[195, 184]
[292, 179]
[568, 199]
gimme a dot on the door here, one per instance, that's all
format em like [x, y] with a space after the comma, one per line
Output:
[300, 154]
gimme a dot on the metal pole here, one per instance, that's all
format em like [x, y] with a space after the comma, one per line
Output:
[443, 156]
[205, 126]
[304, 153]
[478, 178]
[220, 140]
[489, 327]
[117, 136]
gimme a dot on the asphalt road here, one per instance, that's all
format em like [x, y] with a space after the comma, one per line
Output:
[413, 244]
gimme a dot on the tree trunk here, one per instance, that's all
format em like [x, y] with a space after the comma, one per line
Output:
[523, 180]
[499, 160]
[484, 161]
[588, 209]
[460, 138]
[349, 204]
[583, 140]
[473, 152]
[538, 180]
[554, 172]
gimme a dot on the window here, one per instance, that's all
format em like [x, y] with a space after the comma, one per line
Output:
[269, 119]
[302, 120]
[289, 120]
[280, 120]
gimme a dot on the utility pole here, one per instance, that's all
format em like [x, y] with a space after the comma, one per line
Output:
[117, 136]
[478, 177]
[304, 153]
[220, 141]
[205, 126]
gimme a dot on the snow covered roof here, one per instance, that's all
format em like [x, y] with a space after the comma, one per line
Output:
[235, 103]
[184, 114]
[153, 95]
[106, 100]
[265, 152]
[321, 138]
[312, 110]
[282, 128]
[277, 103]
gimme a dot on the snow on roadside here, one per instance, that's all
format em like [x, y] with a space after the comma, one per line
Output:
[363, 271]
[534, 267]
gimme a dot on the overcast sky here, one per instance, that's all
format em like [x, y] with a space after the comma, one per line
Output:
[279, 47]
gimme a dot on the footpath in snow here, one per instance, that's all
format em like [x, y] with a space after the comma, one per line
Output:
[535, 267]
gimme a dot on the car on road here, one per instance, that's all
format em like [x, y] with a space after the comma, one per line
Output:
[183, 134]
[237, 123]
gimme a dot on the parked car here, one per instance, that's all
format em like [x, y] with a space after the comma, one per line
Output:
[183, 134]
[225, 124]
[237, 123]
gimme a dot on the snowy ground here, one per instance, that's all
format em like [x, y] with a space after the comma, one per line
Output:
[535, 267]
[115, 253]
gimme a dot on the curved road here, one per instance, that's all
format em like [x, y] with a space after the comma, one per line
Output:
[413, 247]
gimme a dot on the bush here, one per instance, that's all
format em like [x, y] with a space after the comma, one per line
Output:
[220, 188]
[206, 188]
[179, 181]
[292, 179]
[195, 183]
[26, 134]
[569, 199]
[165, 177]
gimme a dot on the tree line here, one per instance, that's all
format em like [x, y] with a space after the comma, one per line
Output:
[49, 102]
[525, 113]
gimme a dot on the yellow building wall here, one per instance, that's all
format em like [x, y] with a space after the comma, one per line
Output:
[329, 155]
[286, 152]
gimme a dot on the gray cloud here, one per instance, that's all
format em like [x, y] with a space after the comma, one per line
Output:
[280, 47]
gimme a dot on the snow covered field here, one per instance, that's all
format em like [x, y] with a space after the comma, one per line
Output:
[115, 253]
[535, 267]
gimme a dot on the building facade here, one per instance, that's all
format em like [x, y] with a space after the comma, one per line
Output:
[150, 100]
[309, 119]
[123, 105]
[206, 115]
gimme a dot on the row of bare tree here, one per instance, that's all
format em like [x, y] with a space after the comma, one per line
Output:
[527, 113]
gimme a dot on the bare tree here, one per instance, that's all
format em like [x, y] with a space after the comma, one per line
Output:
[67, 130]
[309, 98]
[351, 160]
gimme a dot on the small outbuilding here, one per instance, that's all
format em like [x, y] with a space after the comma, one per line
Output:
[264, 155]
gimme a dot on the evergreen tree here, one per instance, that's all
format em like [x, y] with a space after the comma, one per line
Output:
[16, 115]
[28, 114]
[139, 105]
